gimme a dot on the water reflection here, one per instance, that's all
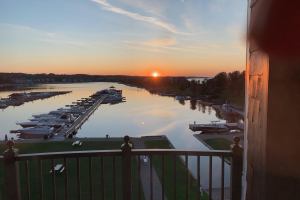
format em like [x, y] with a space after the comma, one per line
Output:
[205, 107]
[142, 114]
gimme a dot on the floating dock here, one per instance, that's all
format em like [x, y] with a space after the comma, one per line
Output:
[17, 99]
[216, 127]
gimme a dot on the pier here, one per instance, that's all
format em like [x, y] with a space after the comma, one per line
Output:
[67, 130]
[65, 122]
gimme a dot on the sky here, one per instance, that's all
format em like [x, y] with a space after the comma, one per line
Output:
[129, 37]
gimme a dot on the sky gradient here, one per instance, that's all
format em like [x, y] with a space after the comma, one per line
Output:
[130, 37]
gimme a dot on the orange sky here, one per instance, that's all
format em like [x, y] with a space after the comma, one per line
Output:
[130, 37]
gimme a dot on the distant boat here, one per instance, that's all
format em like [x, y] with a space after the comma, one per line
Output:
[54, 124]
[181, 98]
[3, 105]
[35, 132]
[215, 127]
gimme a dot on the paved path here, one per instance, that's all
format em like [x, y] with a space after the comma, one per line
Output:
[145, 175]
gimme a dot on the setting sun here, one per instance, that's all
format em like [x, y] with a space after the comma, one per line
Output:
[155, 74]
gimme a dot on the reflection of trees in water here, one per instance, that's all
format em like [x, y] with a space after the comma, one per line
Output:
[196, 104]
[232, 117]
[229, 117]
[203, 108]
[181, 101]
[193, 104]
[199, 106]
[218, 113]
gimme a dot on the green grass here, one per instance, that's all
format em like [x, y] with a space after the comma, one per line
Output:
[218, 143]
[169, 173]
[97, 187]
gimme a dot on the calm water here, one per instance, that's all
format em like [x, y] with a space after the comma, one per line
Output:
[142, 114]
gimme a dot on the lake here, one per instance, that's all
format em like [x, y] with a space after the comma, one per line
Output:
[142, 114]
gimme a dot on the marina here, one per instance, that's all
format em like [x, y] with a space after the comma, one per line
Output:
[18, 99]
[143, 114]
[65, 122]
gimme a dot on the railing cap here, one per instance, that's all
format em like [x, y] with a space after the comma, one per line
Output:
[127, 145]
[10, 153]
[236, 147]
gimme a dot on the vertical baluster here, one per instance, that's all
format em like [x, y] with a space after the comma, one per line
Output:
[11, 176]
[78, 178]
[126, 168]
[186, 177]
[174, 175]
[151, 178]
[40, 169]
[210, 178]
[27, 180]
[90, 178]
[53, 179]
[236, 169]
[163, 177]
[222, 178]
[198, 178]
[114, 178]
[66, 178]
[102, 177]
[139, 177]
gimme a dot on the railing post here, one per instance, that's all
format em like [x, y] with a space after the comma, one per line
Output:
[126, 167]
[236, 170]
[11, 173]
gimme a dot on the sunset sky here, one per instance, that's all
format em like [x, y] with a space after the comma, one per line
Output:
[132, 37]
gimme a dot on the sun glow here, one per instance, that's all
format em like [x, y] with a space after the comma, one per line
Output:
[155, 74]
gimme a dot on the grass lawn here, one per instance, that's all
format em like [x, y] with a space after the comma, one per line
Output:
[98, 188]
[219, 143]
[169, 173]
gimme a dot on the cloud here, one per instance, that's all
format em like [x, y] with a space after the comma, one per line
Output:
[136, 16]
[32, 34]
[155, 7]
[161, 42]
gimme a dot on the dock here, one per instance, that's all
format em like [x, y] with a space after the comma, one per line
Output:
[18, 99]
[216, 127]
[67, 130]
[65, 122]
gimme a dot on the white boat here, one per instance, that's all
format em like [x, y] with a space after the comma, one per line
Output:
[181, 98]
[68, 118]
[51, 115]
[213, 127]
[55, 124]
[3, 105]
[35, 132]
[44, 118]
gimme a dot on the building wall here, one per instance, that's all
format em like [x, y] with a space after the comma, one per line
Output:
[283, 130]
[272, 150]
[256, 122]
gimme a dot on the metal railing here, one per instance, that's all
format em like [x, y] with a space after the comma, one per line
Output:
[117, 174]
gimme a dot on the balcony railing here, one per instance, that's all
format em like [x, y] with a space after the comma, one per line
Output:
[117, 174]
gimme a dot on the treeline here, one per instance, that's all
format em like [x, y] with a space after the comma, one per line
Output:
[224, 87]
[228, 87]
